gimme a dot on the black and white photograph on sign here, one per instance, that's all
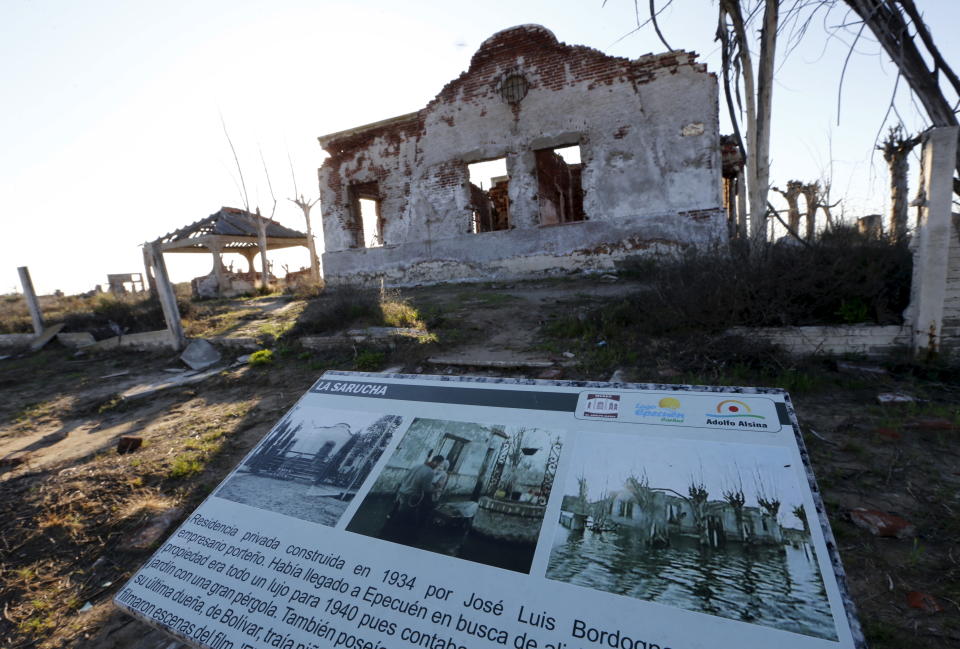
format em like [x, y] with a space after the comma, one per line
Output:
[708, 527]
[312, 463]
[468, 490]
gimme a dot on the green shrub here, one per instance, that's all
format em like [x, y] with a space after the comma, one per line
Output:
[260, 358]
[369, 360]
[841, 278]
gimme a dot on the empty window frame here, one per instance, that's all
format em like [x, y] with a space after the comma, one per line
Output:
[489, 201]
[366, 219]
[451, 448]
[559, 185]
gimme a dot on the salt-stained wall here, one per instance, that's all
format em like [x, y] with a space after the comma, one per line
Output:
[648, 134]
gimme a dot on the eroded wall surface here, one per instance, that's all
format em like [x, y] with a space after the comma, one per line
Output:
[649, 175]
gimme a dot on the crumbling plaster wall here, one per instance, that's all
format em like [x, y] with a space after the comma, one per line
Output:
[648, 132]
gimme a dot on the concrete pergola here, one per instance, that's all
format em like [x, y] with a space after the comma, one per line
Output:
[231, 230]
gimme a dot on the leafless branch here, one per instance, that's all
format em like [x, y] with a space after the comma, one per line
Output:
[772, 210]
[243, 184]
[269, 184]
[656, 25]
[843, 72]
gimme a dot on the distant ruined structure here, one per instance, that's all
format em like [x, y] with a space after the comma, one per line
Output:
[660, 516]
[604, 158]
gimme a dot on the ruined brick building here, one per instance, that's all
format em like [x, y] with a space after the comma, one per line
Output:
[599, 158]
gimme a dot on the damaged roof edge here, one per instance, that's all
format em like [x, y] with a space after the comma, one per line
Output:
[330, 137]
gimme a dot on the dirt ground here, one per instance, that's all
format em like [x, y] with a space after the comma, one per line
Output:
[79, 518]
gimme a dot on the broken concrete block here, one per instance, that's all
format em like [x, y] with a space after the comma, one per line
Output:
[924, 601]
[45, 337]
[140, 340]
[931, 423]
[128, 444]
[76, 340]
[551, 374]
[881, 523]
[889, 433]
[886, 398]
[468, 361]
[15, 340]
[152, 531]
[149, 389]
[247, 343]
[200, 354]
[318, 343]
[858, 368]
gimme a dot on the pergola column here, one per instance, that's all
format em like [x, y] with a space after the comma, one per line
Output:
[216, 248]
[248, 254]
[168, 299]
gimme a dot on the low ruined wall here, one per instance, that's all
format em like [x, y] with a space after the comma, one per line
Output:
[512, 254]
[868, 340]
[950, 331]
[508, 521]
[16, 340]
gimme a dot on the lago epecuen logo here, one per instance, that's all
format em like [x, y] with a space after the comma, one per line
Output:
[731, 412]
[666, 411]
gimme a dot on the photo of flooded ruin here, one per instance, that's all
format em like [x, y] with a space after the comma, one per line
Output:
[474, 491]
[712, 528]
[312, 463]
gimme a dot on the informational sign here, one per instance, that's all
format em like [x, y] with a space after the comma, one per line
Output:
[401, 512]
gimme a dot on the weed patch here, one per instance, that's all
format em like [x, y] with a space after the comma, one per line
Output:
[841, 278]
[369, 360]
[351, 307]
[261, 357]
[185, 465]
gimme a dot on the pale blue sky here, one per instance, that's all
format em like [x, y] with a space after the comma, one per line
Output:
[110, 132]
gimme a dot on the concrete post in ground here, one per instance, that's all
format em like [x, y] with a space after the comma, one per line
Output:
[168, 299]
[931, 240]
[32, 303]
[148, 270]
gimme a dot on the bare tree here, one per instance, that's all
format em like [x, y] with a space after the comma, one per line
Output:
[735, 497]
[583, 491]
[896, 148]
[698, 496]
[817, 197]
[800, 512]
[258, 222]
[305, 206]
[767, 499]
[792, 196]
[757, 96]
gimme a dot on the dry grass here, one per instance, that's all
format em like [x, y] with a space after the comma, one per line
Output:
[94, 313]
[348, 307]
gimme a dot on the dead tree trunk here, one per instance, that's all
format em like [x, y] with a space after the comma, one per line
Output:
[262, 243]
[811, 196]
[758, 95]
[895, 150]
[306, 206]
[792, 196]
